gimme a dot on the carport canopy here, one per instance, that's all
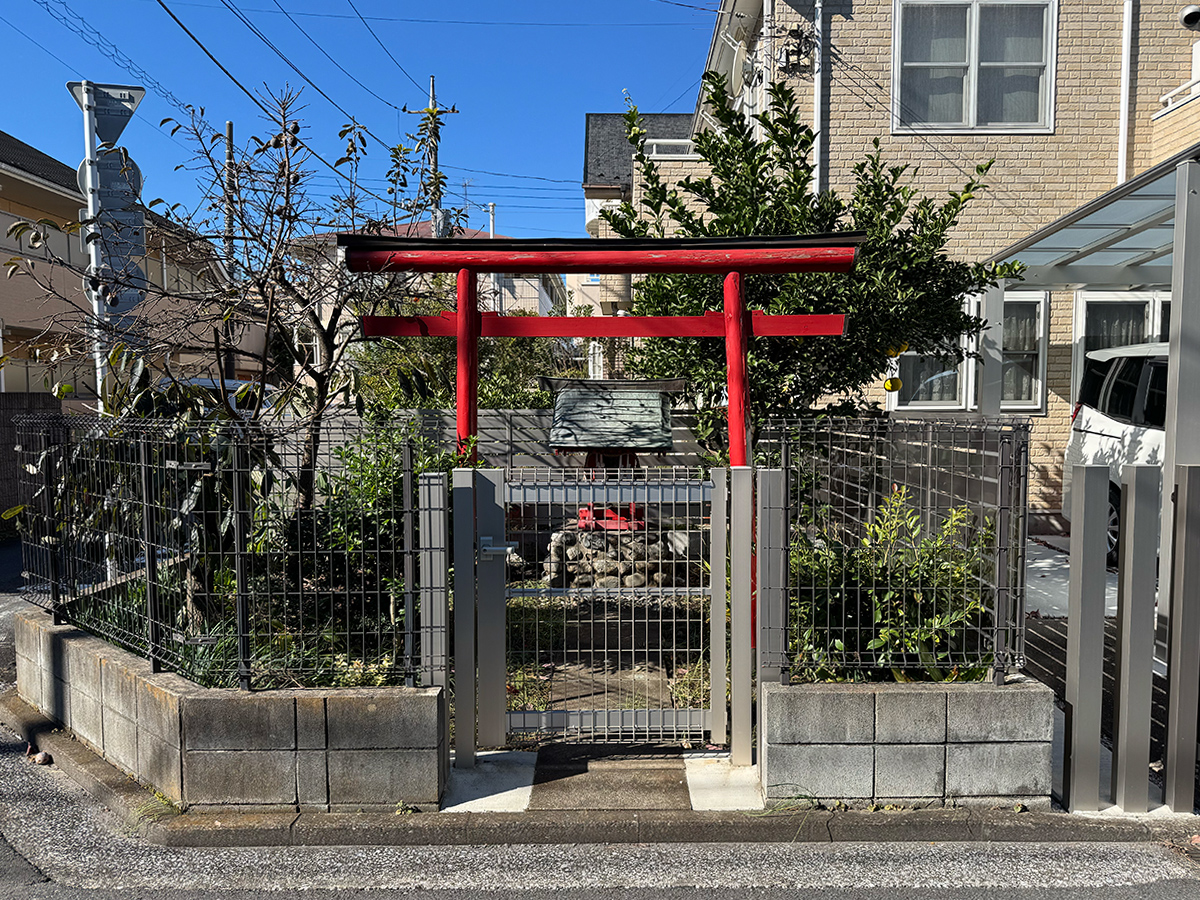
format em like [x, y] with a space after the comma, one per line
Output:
[1142, 234]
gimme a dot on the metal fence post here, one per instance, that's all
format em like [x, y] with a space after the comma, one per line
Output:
[1003, 614]
[149, 506]
[741, 533]
[434, 568]
[1135, 637]
[771, 557]
[491, 570]
[718, 587]
[1183, 659]
[241, 461]
[410, 551]
[771, 599]
[54, 533]
[464, 618]
[1085, 638]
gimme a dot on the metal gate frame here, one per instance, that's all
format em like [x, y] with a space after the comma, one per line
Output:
[481, 717]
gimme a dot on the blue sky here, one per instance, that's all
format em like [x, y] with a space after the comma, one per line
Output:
[522, 74]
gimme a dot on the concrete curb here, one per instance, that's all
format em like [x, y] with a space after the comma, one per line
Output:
[246, 829]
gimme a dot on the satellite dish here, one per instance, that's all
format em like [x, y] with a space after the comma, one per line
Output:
[737, 77]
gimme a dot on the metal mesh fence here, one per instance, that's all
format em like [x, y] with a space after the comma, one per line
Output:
[230, 552]
[608, 603]
[905, 553]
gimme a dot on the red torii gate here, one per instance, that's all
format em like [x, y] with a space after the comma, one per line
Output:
[732, 256]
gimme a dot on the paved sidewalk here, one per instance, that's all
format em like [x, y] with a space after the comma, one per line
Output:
[476, 814]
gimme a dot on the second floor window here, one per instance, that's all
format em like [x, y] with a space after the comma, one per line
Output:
[962, 65]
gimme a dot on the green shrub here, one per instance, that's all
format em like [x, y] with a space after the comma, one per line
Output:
[896, 601]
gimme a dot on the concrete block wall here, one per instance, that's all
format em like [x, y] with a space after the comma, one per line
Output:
[336, 750]
[909, 744]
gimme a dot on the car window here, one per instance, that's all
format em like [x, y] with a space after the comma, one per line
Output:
[1154, 413]
[1119, 395]
[1094, 371]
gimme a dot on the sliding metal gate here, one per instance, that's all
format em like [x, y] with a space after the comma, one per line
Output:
[598, 616]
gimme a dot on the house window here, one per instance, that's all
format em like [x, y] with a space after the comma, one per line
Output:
[1116, 319]
[964, 65]
[1024, 352]
[929, 384]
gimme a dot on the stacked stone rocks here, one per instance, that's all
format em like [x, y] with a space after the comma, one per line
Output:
[622, 559]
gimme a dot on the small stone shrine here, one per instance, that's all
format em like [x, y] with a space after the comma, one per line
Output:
[611, 422]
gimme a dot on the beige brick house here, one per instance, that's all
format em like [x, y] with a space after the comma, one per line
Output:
[1069, 98]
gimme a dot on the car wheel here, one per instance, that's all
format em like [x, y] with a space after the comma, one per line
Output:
[1114, 524]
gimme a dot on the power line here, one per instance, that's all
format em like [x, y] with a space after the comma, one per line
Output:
[262, 37]
[498, 23]
[254, 99]
[511, 174]
[331, 59]
[107, 48]
[380, 43]
[706, 9]
[865, 92]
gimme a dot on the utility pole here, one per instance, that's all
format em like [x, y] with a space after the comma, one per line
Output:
[438, 221]
[491, 220]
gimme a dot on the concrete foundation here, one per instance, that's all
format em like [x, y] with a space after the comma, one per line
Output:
[908, 744]
[339, 749]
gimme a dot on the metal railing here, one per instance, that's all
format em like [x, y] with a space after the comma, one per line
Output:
[904, 548]
[237, 554]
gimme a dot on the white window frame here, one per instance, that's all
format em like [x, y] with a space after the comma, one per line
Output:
[1038, 403]
[1154, 301]
[970, 91]
[969, 368]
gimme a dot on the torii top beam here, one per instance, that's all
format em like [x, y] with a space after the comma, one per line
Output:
[733, 256]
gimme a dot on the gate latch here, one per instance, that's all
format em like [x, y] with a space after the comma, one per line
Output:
[488, 548]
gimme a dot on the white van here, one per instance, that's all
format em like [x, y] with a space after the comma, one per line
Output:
[1118, 419]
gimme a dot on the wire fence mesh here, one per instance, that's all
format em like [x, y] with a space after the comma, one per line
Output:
[905, 554]
[608, 603]
[234, 553]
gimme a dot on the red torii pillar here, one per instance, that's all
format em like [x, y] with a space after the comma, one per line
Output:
[733, 256]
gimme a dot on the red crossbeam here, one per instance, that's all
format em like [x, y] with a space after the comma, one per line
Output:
[634, 260]
[494, 325]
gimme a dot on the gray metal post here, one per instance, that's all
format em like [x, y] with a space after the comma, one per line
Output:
[718, 586]
[771, 591]
[1004, 593]
[149, 507]
[490, 579]
[1135, 637]
[1085, 637]
[1183, 655]
[54, 531]
[241, 517]
[1181, 445]
[464, 617]
[434, 567]
[741, 546]
[409, 562]
[771, 557]
[991, 353]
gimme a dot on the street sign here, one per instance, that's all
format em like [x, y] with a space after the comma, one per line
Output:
[113, 105]
[118, 180]
[121, 232]
[116, 292]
